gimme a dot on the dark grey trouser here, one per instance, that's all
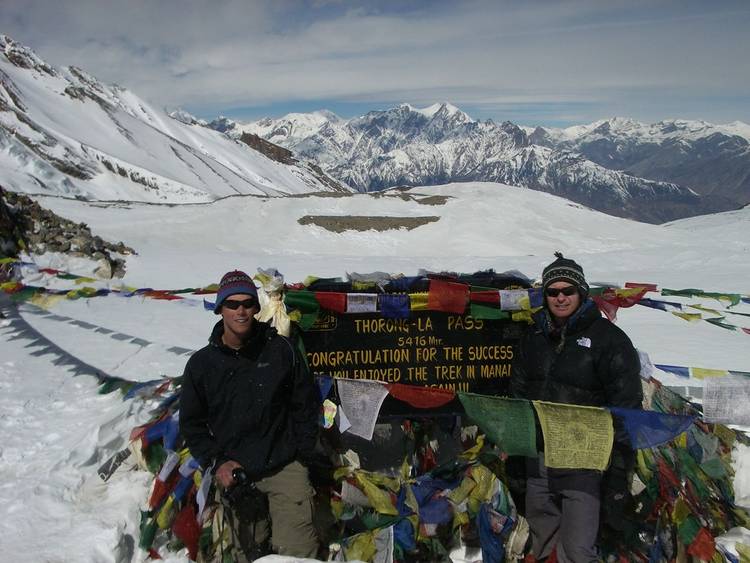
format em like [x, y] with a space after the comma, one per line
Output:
[562, 508]
[290, 505]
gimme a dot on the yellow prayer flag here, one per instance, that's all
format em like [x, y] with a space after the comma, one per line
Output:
[363, 285]
[82, 279]
[701, 373]
[164, 518]
[680, 512]
[743, 551]
[418, 301]
[628, 291]
[725, 434]
[361, 547]
[706, 309]
[521, 316]
[309, 280]
[575, 437]
[380, 500]
[8, 260]
[689, 317]
[45, 300]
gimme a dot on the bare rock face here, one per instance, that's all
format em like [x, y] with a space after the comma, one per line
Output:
[25, 223]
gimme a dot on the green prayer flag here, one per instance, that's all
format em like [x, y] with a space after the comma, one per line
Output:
[719, 321]
[304, 301]
[480, 311]
[508, 423]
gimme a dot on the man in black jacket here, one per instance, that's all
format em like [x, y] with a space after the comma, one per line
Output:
[571, 354]
[248, 403]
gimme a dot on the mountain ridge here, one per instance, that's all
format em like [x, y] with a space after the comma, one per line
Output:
[63, 132]
[409, 146]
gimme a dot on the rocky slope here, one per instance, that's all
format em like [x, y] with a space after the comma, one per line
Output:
[63, 132]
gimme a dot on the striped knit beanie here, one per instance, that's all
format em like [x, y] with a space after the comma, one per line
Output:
[233, 283]
[564, 269]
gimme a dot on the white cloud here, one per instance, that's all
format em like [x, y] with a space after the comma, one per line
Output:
[234, 53]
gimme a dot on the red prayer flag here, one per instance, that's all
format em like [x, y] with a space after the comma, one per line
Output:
[646, 286]
[606, 306]
[332, 301]
[421, 397]
[746, 330]
[450, 297]
[187, 530]
[703, 546]
[484, 296]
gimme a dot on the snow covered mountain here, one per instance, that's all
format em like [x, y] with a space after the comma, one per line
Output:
[712, 160]
[409, 146]
[62, 132]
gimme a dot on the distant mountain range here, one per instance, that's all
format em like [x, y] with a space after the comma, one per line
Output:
[63, 132]
[653, 173]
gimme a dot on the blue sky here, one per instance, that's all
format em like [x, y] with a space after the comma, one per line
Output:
[533, 62]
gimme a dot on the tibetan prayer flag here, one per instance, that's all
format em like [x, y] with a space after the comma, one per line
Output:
[324, 385]
[647, 429]
[727, 400]
[361, 400]
[702, 373]
[421, 397]
[646, 286]
[536, 297]
[607, 307]
[394, 306]
[720, 322]
[509, 423]
[677, 370]
[305, 301]
[332, 301]
[575, 436]
[403, 283]
[419, 301]
[480, 311]
[514, 300]
[361, 302]
[689, 317]
[661, 305]
[491, 297]
[450, 297]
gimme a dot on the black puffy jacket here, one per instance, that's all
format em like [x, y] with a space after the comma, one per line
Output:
[591, 362]
[258, 405]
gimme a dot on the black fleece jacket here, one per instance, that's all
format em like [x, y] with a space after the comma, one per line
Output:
[258, 405]
[590, 362]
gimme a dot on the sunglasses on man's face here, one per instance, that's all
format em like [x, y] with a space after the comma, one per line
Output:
[555, 291]
[234, 305]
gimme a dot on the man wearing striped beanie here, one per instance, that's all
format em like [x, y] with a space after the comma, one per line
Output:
[573, 355]
[249, 409]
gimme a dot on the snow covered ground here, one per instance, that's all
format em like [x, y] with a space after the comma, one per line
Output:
[55, 430]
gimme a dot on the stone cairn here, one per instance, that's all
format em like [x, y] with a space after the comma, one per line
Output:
[23, 222]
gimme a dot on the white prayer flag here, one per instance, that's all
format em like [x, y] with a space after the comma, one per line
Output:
[169, 464]
[512, 299]
[727, 400]
[361, 400]
[361, 302]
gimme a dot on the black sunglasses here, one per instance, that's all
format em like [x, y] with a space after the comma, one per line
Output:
[234, 305]
[555, 291]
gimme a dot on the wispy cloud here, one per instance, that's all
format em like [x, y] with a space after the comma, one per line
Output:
[638, 58]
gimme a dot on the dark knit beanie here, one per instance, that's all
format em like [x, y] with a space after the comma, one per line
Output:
[233, 283]
[564, 269]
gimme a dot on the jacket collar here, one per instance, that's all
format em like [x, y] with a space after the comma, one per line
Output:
[586, 314]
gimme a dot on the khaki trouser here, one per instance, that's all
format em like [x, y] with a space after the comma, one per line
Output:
[290, 505]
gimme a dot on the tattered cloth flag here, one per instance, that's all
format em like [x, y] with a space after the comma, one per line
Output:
[361, 302]
[361, 401]
[450, 297]
[727, 400]
[575, 437]
[647, 429]
[421, 397]
[394, 306]
[508, 423]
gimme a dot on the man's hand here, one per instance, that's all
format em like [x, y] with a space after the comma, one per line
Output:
[224, 473]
